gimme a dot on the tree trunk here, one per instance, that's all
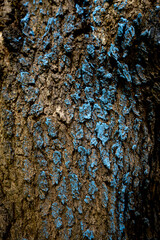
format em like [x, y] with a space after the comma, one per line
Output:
[80, 133]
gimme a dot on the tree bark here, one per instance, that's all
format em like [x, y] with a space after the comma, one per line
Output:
[80, 135]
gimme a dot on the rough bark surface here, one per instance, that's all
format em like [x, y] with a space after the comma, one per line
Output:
[79, 130]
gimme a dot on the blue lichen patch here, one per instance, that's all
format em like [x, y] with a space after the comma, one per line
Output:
[108, 97]
[51, 25]
[93, 162]
[97, 13]
[88, 234]
[88, 134]
[51, 127]
[65, 60]
[25, 20]
[67, 158]
[85, 112]
[92, 189]
[118, 150]
[9, 94]
[121, 27]
[87, 72]
[83, 159]
[101, 72]
[62, 191]
[87, 199]
[74, 182]
[69, 112]
[56, 210]
[57, 158]
[77, 131]
[70, 217]
[79, 9]
[68, 47]
[25, 79]
[56, 169]
[43, 185]
[41, 159]
[60, 11]
[57, 144]
[124, 72]
[44, 60]
[123, 104]
[25, 110]
[69, 24]
[75, 96]
[90, 125]
[91, 50]
[89, 94]
[103, 75]
[83, 151]
[102, 130]
[120, 6]
[128, 36]
[105, 156]
[94, 141]
[123, 129]
[37, 135]
[138, 20]
[36, 109]
[113, 52]
[55, 175]
[58, 222]
[98, 112]
[102, 56]
[30, 93]
[44, 229]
